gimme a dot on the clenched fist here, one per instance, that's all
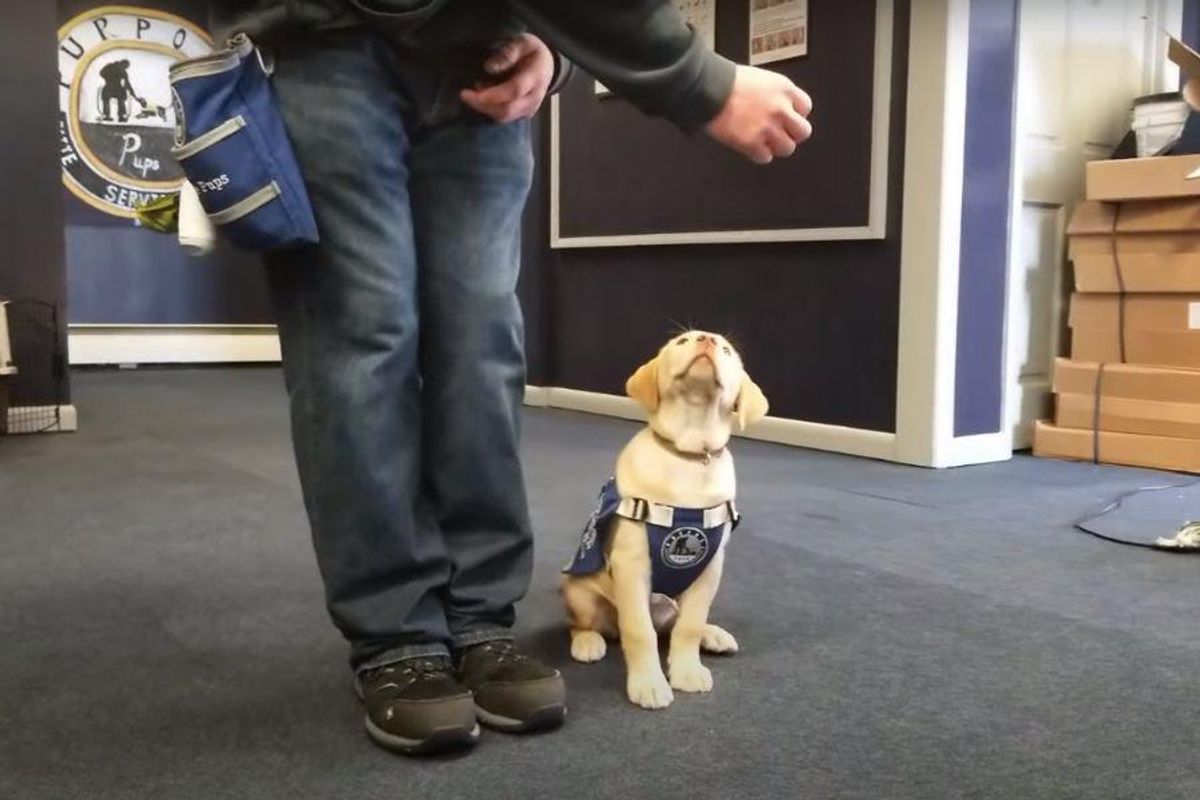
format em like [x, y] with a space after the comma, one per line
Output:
[765, 116]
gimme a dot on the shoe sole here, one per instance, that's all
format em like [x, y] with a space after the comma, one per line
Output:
[441, 740]
[544, 719]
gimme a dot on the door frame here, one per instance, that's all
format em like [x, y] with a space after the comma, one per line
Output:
[935, 177]
[1166, 16]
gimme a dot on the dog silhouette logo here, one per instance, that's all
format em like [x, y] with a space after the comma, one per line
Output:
[684, 547]
[117, 118]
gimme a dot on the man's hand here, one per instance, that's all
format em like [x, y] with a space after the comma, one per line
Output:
[765, 116]
[527, 66]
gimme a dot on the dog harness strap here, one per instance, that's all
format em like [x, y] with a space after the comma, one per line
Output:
[639, 510]
[681, 541]
[633, 508]
[719, 515]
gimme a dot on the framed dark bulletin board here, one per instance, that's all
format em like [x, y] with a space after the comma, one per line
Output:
[618, 178]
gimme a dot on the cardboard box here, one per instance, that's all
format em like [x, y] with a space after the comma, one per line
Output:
[1153, 401]
[1149, 178]
[1128, 449]
[1160, 329]
[1143, 178]
[1156, 244]
[1132, 381]
[1188, 61]
[1123, 415]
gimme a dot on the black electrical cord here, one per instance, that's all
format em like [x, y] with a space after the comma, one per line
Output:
[1083, 522]
[1098, 393]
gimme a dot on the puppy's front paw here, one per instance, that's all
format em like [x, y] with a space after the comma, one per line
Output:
[694, 677]
[649, 689]
[588, 646]
[718, 640]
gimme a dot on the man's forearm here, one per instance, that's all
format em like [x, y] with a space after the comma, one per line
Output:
[641, 49]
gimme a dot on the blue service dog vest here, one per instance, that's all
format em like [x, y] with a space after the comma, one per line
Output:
[682, 540]
[232, 145]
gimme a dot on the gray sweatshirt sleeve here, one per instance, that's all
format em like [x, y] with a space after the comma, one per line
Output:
[641, 49]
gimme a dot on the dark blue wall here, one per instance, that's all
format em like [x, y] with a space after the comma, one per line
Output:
[118, 273]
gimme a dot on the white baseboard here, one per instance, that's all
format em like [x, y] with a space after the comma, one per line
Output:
[96, 345]
[34, 419]
[114, 344]
[832, 438]
[537, 397]
[606, 405]
[814, 435]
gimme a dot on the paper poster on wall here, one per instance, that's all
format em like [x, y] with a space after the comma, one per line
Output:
[701, 15]
[778, 30]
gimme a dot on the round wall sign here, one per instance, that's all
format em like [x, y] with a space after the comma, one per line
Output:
[116, 114]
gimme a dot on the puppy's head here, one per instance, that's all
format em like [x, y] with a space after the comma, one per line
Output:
[698, 376]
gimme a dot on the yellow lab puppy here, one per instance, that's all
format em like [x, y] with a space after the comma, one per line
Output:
[651, 556]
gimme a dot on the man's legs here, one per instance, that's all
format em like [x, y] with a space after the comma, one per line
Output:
[348, 317]
[469, 182]
[413, 487]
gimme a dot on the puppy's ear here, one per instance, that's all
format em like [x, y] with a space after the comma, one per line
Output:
[643, 385]
[751, 405]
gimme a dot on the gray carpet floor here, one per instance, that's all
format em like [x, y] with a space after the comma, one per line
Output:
[905, 633]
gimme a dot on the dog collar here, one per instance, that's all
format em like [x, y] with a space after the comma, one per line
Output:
[705, 457]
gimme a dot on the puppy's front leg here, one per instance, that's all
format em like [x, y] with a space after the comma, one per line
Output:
[687, 673]
[630, 562]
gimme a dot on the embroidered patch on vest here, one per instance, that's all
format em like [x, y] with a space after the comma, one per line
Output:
[684, 547]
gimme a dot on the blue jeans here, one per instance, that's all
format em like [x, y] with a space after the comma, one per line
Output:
[403, 346]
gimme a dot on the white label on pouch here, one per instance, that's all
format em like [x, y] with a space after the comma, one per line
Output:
[1194, 316]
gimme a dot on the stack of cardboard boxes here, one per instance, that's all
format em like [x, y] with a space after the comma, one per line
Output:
[1130, 393]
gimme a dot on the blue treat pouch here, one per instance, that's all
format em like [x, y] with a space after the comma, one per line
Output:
[232, 145]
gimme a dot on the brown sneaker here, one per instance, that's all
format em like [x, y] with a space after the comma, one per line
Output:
[415, 706]
[513, 692]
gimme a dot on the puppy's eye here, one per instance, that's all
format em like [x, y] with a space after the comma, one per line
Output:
[682, 341]
[727, 351]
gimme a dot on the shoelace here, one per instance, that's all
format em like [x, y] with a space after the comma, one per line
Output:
[409, 671]
[504, 651]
